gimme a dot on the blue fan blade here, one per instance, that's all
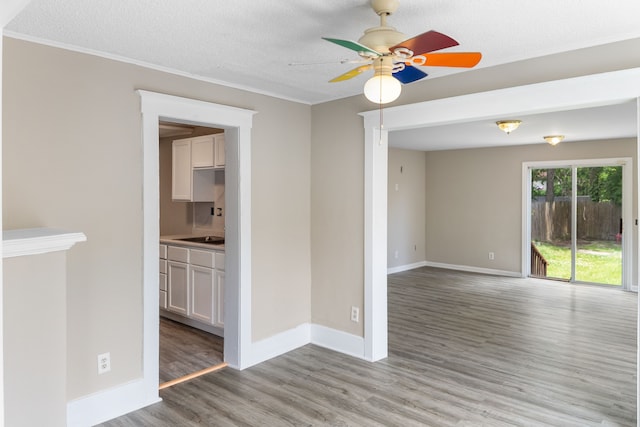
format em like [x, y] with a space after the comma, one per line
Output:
[409, 74]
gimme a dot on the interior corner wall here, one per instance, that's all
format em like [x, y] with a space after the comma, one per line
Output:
[475, 199]
[406, 202]
[337, 212]
[72, 159]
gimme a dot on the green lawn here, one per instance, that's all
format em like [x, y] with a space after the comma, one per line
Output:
[596, 261]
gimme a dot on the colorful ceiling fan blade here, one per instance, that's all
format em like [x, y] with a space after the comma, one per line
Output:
[423, 43]
[360, 48]
[449, 59]
[409, 74]
[351, 74]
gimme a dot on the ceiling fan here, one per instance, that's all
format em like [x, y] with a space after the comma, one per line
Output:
[394, 58]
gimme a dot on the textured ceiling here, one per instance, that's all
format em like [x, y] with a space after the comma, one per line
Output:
[250, 44]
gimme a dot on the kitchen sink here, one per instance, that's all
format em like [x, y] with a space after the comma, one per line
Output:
[212, 240]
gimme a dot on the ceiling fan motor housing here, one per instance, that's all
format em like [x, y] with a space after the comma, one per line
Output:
[381, 38]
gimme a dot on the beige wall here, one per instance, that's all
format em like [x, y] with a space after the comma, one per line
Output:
[337, 230]
[35, 340]
[477, 195]
[406, 207]
[72, 158]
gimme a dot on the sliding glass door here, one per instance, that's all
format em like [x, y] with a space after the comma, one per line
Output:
[575, 224]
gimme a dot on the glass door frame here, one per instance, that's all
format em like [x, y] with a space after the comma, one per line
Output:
[627, 212]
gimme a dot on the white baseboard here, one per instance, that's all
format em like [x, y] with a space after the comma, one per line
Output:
[108, 404]
[278, 344]
[112, 403]
[406, 267]
[339, 341]
[474, 269]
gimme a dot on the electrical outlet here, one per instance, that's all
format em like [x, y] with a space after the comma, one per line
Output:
[396, 254]
[492, 256]
[104, 363]
[355, 314]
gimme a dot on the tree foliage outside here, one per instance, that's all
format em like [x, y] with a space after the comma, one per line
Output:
[602, 183]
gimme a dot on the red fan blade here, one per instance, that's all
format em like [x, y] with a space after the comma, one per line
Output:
[450, 59]
[426, 42]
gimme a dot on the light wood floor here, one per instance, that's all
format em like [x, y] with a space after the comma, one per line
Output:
[185, 350]
[464, 350]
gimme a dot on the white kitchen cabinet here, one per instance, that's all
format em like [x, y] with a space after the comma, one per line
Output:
[203, 151]
[202, 294]
[178, 287]
[219, 150]
[163, 277]
[181, 171]
[218, 300]
[195, 285]
[192, 170]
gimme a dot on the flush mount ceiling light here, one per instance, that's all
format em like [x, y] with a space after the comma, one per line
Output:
[508, 126]
[553, 139]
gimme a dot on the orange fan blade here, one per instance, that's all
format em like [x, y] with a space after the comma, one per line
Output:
[351, 74]
[450, 59]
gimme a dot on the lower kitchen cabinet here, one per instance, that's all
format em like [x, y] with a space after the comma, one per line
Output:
[202, 293]
[193, 286]
[178, 287]
[218, 320]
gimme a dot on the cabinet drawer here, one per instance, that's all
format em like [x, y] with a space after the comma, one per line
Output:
[163, 251]
[163, 300]
[177, 253]
[163, 282]
[220, 260]
[163, 266]
[201, 258]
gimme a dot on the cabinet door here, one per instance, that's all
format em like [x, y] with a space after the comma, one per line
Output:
[219, 149]
[202, 295]
[219, 299]
[202, 152]
[181, 170]
[178, 287]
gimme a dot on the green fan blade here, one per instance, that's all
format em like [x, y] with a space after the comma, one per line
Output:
[354, 46]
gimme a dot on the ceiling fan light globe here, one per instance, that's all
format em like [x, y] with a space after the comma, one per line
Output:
[382, 89]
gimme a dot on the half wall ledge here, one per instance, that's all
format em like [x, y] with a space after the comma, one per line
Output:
[34, 241]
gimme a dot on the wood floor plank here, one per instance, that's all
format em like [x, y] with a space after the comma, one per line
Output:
[464, 350]
[185, 350]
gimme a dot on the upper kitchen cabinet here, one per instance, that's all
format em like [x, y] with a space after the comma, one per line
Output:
[194, 161]
[219, 150]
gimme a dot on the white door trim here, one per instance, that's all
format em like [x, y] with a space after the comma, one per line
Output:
[627, 209]
[237, 124]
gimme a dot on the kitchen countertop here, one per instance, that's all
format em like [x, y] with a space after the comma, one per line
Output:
[174, 240]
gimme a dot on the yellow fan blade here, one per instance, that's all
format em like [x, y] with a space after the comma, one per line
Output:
[350, 74]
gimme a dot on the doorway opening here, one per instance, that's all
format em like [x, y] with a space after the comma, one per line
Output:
[236, 123]
[576, 220]
[191, 327]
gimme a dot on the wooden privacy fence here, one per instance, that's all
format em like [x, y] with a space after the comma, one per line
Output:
[551, 221]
